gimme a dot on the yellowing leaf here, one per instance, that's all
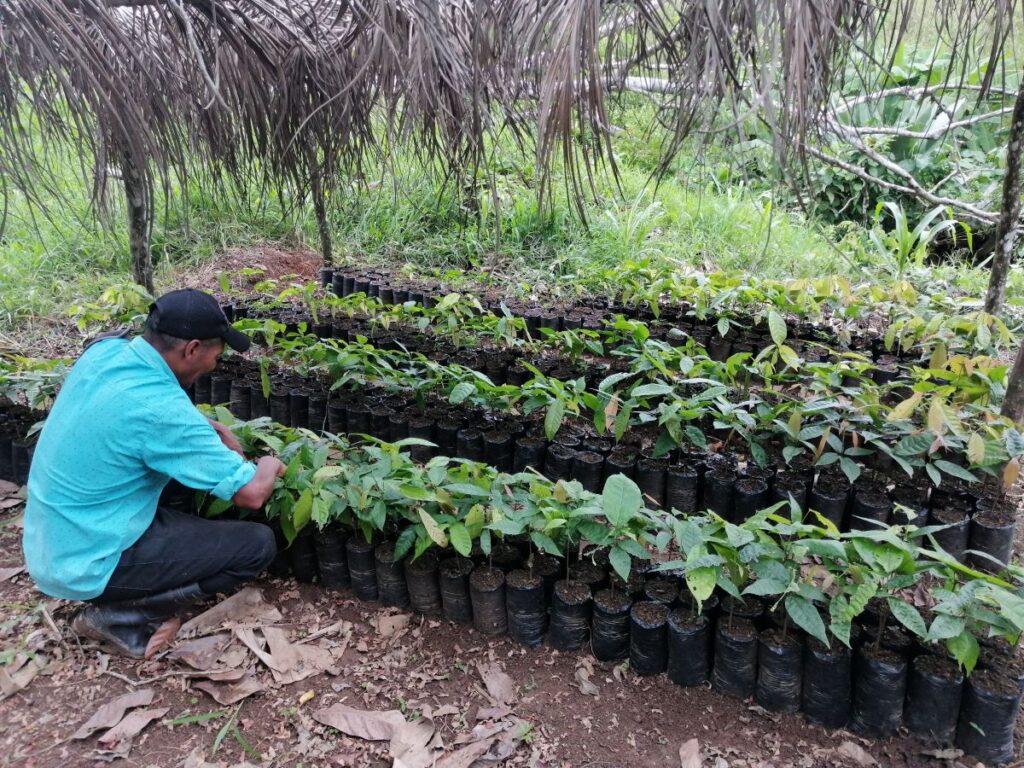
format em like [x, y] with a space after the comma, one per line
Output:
[433, 529]
[906, 408]
[1011, 473]
[938, 360]
[936, 416]
[976, 449]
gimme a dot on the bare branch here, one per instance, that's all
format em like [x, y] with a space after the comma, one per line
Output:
[936, 133]
[914, 190]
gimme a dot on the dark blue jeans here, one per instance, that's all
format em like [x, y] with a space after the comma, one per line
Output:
[179, 549]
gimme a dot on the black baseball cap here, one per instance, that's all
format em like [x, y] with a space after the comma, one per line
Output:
[194, 314]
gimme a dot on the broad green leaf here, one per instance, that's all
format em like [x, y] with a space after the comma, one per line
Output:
[764, 587]
[976, 449]
[964, 648]
[461, 391]
[303, 510]
[701, 582]
[777, 327]
[908, 616]
[327, 472]
[945, 627]
[545, 543]
[475, 520]
[955, 470]
[404, 542]
[416, 492]
[621, 562]
[651, 390]
[433, 529]
[460, 539]
[806, 616]
[723, 326]
[621, 500]
[467, 489]
[553, 418]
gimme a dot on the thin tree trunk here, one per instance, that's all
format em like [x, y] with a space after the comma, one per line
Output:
[139, 196]
[1013, 401]
[1006, 235]
[316, 190]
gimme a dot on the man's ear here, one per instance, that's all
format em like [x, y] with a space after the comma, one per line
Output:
[191, 347]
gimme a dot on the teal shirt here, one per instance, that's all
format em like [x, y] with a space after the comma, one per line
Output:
[120, 429]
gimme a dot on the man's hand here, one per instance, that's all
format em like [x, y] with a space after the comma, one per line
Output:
[227, 437]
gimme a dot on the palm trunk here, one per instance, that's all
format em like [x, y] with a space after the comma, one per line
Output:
[1006, 236]
[320, 208]
[139, 196]
[1013, 401]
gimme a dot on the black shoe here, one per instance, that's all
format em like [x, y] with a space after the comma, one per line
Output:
[126, 631]
[162, 605]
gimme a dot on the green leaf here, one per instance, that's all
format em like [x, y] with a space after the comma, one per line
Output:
[553, 418]
[545, 544]
[621, 562]
[964, 648]
[945, 627]
[723, 326]
[955, 470]
[651, 390]
[467, 489]
[328, 472]
[433, 529]
[777, 327]
[461, 391]
[460, 539]
[404, 543]
[621, 500]
[303, 510]
[766, 587]
[806, 616]
[416, 492]
[701, 582]
[907, 615]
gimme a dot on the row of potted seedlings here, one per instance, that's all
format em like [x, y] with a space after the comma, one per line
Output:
[742, 332]
[654, 615]
[744, 649]
[975, 526]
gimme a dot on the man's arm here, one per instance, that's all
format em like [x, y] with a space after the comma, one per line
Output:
[227, 437]
[255, 493]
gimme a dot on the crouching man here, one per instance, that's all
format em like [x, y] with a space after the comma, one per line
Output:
[121, 428]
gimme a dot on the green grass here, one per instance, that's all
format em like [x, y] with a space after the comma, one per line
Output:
[699, 216]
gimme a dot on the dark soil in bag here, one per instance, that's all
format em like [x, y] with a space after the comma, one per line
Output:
[650, 477]
[527, 608]
[648, 638]
[955, 538]
[735, 667]
[689, 647]
[718, 487]
[453, 581]
[828, 683]
[529, 452]
[609, 638]
[750, 608]
[587, 468]
[391, 588]
[620, 462]
[879, 687]
[570, 615]
[682, 489]
[830, 499]
[487, 591]
[331, 557]
[505, 557]
[302, 554]
[870, 507]
[549, 568]
[749, 495]
[992, 534]
[362, 567]
[779, 671]
[591, 574]
[987, 716]
[934, 687]
[664, 591]
[421, 583]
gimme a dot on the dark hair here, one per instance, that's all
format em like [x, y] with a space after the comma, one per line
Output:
[164, 342]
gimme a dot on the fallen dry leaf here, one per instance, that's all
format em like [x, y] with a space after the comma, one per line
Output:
[17, 677]
[110, 714]
[493, 713]
[413, 745]
[856, 753]
[132, 725]
[500, 686]
[246, 607]
[584, 684]
[373, 726]
[944, 754]
[163, 637]
[689, 755]
[231, 692]
[201, 653]
[467, 755]
[10, 573]
[288, 662]
[389, 626]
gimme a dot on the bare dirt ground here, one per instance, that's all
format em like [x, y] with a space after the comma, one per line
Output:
[448, 679]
